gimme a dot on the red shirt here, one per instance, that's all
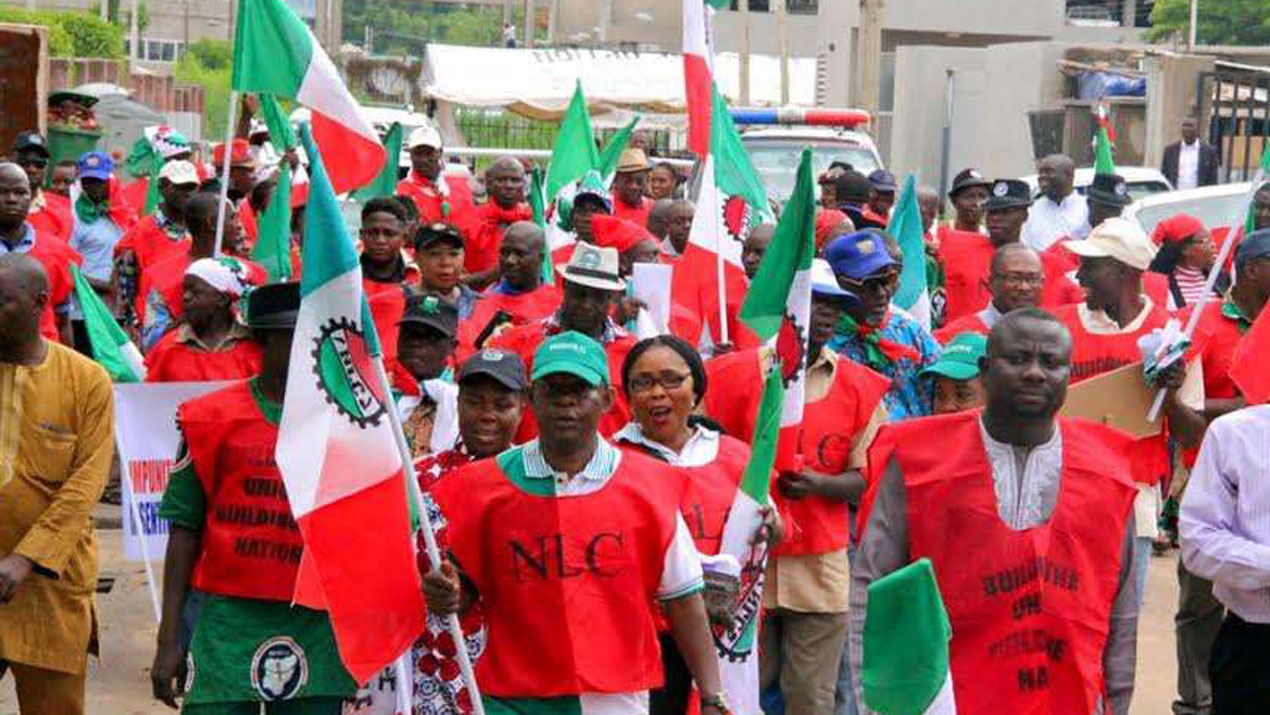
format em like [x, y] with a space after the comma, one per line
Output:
[637, 214]
[523, 308]
[55, 218]
[180, 357]
[151, 243]
[483, 235]
[431, 204]
[965, 324]
[56, 257]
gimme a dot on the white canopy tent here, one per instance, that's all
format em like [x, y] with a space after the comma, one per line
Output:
[537, 83]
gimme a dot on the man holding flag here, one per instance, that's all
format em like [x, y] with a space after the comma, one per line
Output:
[566, 541]
[250, 644]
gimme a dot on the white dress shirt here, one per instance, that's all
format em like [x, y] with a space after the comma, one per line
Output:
[1188, 165]
[1225, 516]
[1048, 221]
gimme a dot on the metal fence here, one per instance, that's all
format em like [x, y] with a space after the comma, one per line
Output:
[500, 129]
[1238, 110]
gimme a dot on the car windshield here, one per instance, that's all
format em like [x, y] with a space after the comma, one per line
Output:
[1212, 211]
[776, 161]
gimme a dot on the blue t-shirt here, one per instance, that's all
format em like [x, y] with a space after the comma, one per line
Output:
[910, 395]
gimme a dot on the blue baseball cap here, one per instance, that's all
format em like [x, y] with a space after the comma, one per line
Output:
[1255, 245]
[95, 165]
[858, 255]
[882, 180]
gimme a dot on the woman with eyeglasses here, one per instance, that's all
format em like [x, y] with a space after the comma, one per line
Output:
[665, 380]
[1185, 257]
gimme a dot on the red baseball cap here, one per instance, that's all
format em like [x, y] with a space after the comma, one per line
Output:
[240, 155]
[1179, 227]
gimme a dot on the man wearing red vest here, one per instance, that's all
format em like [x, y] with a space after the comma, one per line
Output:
[233, 538]
[630, 184]
[1105, 331]
[386, 274]
[592, 284]
[564, 542]
[805, 598]
[505, 182]
[49, 213]
[520, 296]
[1015, 278]
[1043, 608]
[438, 198]
[17, 235]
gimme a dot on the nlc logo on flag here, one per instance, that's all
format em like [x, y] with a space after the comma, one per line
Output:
[345, 372]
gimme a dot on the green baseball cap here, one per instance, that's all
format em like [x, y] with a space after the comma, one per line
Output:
[959, 360]
[573, 353]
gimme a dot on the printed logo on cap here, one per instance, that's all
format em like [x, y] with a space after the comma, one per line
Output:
[92, 162]
[1122, 189]
[279, 669]
[589, 258]
[974, 174]
[492, 355]
[866, 246]
[1001, 189]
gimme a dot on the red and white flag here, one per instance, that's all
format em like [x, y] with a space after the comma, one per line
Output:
[699, 70]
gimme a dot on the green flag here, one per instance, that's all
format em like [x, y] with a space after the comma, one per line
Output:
[733, 172]
[1103, 161]
[906, 227]
[613, 149]
[273, 245]
[574, 153]
[385, 185]
[906, 634]
[280, 131]
[783, 282]
[111, 347]
[538, 207]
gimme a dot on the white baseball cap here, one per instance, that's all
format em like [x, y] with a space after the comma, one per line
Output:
[1117, 238]
[426, 135]
[179, 172]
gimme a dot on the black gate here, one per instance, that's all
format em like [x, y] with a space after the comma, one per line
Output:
[1237, 104]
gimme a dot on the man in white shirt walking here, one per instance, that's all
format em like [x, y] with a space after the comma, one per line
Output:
[1059, 212]
[1225, 524]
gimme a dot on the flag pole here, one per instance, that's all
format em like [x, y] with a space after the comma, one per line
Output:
[723, 290]
[429, 536]
[1222, 254]
[224, 175]
[135, 512]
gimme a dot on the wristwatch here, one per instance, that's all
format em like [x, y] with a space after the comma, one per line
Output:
[716, 701]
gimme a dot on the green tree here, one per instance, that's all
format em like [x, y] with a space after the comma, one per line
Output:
[207, 63]
[71, 34]
[1221, 22]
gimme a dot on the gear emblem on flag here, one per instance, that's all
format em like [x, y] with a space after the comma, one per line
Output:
[346, 374]
[737, 217]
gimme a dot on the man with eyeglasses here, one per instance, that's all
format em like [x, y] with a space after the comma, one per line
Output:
[565, 542]
[49, 213]
[1015, 280]
[874, 334]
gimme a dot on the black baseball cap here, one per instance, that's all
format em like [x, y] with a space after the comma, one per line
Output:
[273, 306]
[436, 232]
[431, 311]
[1109, 190]
[28, 142]
[504, 367]
[1008, 194]
[965, 179]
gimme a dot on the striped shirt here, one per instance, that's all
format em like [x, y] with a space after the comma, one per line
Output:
[1225, 516]
[1191, 283]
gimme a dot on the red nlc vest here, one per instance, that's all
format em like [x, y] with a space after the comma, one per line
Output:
[566, 582]
[251, 544]
[816, 525]
[1030, 610]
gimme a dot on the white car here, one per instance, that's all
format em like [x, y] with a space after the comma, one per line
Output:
[774, 151]
[1141, 180]
[1217, 207]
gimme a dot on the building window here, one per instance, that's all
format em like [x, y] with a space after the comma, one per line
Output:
[793, 7]
[157, 50]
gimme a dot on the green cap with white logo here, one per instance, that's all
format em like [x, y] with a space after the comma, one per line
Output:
[959, 360]
[572, 353]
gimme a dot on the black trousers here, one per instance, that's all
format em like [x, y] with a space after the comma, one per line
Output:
[1240, 668]
[672, 697]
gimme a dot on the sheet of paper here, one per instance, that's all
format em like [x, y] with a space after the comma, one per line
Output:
[651, 284]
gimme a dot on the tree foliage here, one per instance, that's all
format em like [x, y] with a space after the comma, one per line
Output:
[403, 27]
[207, 63]
[72, 34]
[1221, 22]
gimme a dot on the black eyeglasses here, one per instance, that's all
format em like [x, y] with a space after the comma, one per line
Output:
[667, 380]
[38, 162]
[877, 285]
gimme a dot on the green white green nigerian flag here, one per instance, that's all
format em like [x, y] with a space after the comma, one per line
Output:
[275, 52]
[111, 347]
[338, 453]
[778, 306]
[906, 226]
[906, 634]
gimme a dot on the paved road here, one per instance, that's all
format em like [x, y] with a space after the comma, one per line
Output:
[120, 684]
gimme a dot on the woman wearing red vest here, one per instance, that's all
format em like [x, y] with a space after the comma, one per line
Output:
[233, 538]
[1043, 607]
[665, 381]
[566, 541]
